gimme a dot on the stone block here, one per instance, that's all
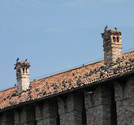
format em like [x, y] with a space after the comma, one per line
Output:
[70, 110]
[98, 107]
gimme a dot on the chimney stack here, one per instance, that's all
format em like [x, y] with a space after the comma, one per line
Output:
[112, 44]
[22, 74]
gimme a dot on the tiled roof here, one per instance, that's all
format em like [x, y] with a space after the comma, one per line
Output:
[68, 80]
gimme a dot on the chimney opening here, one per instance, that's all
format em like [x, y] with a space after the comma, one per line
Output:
[26, 70]
[23, 70]
[114, 39]
[118, 39]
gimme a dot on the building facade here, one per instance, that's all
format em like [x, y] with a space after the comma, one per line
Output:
[100, 93]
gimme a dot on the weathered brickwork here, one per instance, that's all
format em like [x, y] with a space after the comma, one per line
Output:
[27, 115]
[17, 117]
[39, 114]
[46, 113]
[50, 113]
[7, 118]
[112, 45]
[22, 73]
[70, 110]
[124, 96]
[21, 116]
[23, 83]
[98, 106]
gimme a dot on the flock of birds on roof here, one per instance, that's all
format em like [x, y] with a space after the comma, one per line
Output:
[67, 85]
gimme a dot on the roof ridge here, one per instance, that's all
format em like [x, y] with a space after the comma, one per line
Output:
[75, 68]
[8, 88]
[128, 52]
[68, 70]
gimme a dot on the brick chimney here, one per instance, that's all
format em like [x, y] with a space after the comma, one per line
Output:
[22, 74]
[112, 44]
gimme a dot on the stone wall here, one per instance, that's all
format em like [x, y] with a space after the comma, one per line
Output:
[70, 110]
[124, 96]
[98, 106]
[7, 118]
[27, 115]
[46, 113]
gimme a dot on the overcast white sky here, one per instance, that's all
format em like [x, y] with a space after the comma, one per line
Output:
[56, 35]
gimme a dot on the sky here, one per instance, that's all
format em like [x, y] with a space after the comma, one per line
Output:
[57, 35]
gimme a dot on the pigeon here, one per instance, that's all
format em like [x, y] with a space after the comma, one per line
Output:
[115, 28]
[17, 59]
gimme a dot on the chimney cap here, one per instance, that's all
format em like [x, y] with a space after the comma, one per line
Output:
[22, 63]
[108, 32]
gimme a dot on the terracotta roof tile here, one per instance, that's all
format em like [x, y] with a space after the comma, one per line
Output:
[67, 80]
